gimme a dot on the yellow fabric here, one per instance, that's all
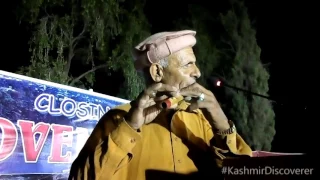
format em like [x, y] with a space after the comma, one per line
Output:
[115, 151]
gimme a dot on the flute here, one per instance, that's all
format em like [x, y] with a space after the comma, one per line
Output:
[166, 104]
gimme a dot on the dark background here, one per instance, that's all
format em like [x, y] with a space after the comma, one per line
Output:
[287, 35]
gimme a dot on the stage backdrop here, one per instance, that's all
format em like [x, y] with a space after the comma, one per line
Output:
[44, 125]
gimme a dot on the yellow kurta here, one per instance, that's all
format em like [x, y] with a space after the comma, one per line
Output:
[186, 144]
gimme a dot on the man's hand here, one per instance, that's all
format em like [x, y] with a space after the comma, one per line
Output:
[209, 104]
[146, 107]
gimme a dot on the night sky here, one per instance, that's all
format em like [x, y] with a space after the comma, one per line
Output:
[285, 32]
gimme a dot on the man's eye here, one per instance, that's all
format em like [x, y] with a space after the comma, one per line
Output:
[189, 64]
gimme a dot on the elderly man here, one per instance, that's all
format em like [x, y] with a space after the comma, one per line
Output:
[140, 140]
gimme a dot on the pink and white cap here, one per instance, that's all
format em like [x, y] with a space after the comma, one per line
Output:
[160, 46]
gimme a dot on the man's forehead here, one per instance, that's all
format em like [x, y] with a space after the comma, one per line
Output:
[187, 51]
[185, 54]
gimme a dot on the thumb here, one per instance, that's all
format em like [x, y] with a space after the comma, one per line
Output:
[192, 107]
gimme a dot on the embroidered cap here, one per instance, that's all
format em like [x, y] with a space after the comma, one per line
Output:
[160, 46]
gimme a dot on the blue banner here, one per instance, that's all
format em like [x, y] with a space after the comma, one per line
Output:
[44, 125]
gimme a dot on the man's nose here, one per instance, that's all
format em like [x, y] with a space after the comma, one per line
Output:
[196, 73]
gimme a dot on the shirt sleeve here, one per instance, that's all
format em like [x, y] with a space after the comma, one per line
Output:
[227, 146]
[105, 151]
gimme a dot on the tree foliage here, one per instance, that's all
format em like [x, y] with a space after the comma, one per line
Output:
[207, 53]
[91, 35]
[253, 116]
[227, 47]
[73, 39]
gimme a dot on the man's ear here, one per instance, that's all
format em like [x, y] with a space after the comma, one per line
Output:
[156, 72]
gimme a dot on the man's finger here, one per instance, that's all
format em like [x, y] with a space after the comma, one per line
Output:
[192, 90]
[154, 109]
[159, 87]
[161, 98]
[196, 95]
[192, 107]
[195, 90]
[205, 104]
[198, 105]
[166, 88]
[190, 93]
[194, 99]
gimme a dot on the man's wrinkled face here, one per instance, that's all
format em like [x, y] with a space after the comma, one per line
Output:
[182, 70]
